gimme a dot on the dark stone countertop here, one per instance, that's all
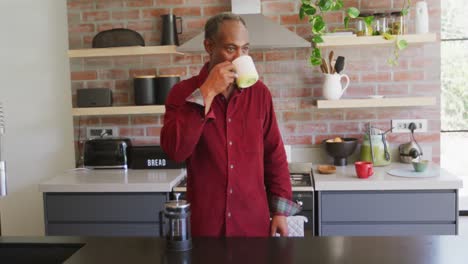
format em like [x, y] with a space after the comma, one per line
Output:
[323, 250]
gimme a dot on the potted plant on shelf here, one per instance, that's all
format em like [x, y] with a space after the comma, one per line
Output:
[314, 10]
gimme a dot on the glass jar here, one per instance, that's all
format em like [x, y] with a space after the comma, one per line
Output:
[379, 154]
[363, 28]
[381, 24]
[398, 24]
[388, 19]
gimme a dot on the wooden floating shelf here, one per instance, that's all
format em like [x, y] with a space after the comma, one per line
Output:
[118, 110]
[332, 41]
[122, 51]
[381, 102]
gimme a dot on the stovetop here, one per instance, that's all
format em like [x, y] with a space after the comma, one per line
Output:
[300, 180]
[297, 180]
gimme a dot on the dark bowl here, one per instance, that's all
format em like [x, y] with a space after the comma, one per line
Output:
[340, 151]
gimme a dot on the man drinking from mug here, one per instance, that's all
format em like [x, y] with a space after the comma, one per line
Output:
[237, 170]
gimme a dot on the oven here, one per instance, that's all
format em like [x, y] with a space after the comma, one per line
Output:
[303, 195]
[302, 192]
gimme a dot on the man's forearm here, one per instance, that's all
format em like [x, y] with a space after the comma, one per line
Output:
[208, 96]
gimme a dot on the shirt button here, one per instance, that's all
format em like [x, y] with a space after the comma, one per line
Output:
[229, 214]
[230, 191]
[232, 166]
[229, 120]
[230, 143]
[203, 119]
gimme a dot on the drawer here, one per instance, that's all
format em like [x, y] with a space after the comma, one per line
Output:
[307, 199]
[95, 229]
[102, 207]
[388, 230]
[387, 206]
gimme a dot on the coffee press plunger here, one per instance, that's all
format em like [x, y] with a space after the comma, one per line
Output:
[174, 224]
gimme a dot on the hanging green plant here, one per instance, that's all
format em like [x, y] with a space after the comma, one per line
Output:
[399, 44]
[314, 11]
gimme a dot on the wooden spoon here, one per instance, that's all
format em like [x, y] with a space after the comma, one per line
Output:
[324, 63]
[330, 59]
[323, 68]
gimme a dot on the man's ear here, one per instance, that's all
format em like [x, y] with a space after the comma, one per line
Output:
[208, 46]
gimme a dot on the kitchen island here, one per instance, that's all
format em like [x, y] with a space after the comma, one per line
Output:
[362, 250]
[127, 203]
[387, 205]
[83, 202]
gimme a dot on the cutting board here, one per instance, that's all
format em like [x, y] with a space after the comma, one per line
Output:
[410, 173]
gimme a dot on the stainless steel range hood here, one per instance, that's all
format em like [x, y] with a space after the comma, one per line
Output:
[263, 33]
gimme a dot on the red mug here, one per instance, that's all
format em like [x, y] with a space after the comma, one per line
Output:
[364, 169]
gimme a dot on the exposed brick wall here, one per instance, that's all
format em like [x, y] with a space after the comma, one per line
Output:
[292, 81]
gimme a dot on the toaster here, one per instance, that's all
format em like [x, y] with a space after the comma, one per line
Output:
[107, 153]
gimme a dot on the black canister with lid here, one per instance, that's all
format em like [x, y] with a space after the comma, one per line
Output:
[144, 87]
[164, 84]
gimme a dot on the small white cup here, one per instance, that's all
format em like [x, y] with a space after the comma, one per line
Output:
[247, 74]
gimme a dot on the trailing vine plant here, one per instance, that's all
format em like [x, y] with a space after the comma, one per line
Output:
[314, 10]
[400, 44]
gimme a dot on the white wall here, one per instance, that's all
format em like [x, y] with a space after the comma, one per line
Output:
[35, 91]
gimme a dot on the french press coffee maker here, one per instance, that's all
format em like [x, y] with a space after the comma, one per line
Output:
[174, 224]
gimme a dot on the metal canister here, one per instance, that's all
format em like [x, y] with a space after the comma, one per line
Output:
[144, 87]
[164, 84]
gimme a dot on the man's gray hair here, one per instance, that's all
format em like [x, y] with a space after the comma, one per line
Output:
[213, 24]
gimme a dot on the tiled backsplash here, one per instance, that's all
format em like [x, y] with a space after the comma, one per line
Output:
[293, 82]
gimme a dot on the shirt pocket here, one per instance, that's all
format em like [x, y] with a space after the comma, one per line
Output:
[252, 136]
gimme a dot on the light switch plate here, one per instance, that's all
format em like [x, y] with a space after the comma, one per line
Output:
[96, 132]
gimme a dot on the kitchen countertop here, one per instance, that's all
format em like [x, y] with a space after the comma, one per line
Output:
[362, 250]
[87, 180]
[345, 179]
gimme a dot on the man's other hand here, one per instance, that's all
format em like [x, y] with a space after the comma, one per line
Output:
[279, 225]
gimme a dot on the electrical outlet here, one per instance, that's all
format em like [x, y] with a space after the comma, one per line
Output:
[95, 132]
[402, 125]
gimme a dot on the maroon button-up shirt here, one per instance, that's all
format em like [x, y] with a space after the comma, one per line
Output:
[235, 157]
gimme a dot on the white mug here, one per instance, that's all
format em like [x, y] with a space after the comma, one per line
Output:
[246, 72]
[332, 88]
